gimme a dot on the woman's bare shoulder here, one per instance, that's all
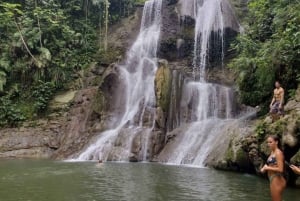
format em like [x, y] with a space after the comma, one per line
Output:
[278, 152]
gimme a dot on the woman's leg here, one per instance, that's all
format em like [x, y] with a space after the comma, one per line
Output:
[277, 186]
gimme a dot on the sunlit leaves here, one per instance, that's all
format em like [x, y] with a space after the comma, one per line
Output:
[10, 9]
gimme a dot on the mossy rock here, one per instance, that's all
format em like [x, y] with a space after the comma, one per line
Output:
[99, 103]
[107, 83]
[241, 157]
[168, 49]
[296, 158]
[263, 129]
[188, 32]
[278, 127]
[238, 157]
[163, 80]
[62, 100]
[110, 56]
[264, 149]
[229, 156]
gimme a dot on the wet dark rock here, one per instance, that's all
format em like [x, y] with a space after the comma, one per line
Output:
[98, 69]
[133, 158]
[158, 142]
[171, 2]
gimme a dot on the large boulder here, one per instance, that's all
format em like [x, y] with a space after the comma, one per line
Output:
[90, 113]
[62, 100]
[230, 154]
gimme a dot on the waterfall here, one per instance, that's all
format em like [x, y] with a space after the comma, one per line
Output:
[206, 107]
[209, 26]
[137, 77]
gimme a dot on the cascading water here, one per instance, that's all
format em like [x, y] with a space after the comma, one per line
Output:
[137, 76]
[209, 26]
[206, 107]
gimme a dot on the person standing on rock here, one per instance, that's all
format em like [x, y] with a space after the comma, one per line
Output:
[276, 106]
[275, 168]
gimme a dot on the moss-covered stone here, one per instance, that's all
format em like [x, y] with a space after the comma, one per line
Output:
[168, 48]
[98, 103]
[241, 157]
[237, 158]
[110, 56]
[229, 153]
[163, 80]
[62, 100]
[278, 127]
[296, 158]
[263, 129]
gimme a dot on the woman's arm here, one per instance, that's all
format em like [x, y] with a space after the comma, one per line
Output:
[295, 169]
[280, 163]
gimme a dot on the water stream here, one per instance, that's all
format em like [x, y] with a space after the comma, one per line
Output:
[209, 30]
[207, 107]
[137, 76]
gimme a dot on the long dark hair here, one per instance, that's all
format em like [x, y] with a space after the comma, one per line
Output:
[277, 139]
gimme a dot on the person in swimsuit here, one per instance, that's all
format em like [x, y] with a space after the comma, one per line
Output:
[275, 168]
[99, 164]
[276, 106]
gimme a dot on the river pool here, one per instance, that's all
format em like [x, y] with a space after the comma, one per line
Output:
[30, 180]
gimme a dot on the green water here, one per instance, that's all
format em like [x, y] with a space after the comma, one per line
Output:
[24, 180]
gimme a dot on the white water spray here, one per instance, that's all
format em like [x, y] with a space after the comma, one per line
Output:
[208, 106]
[138, 75]
[209, 23]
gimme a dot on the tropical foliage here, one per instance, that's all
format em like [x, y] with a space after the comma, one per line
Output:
[268, 50]
[43, 45]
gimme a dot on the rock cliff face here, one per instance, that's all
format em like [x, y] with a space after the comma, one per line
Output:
[247, 150]
[33, 140]
[87, 109]
[80, 115]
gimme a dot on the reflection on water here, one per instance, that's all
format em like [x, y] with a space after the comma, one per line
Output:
[23, 180]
